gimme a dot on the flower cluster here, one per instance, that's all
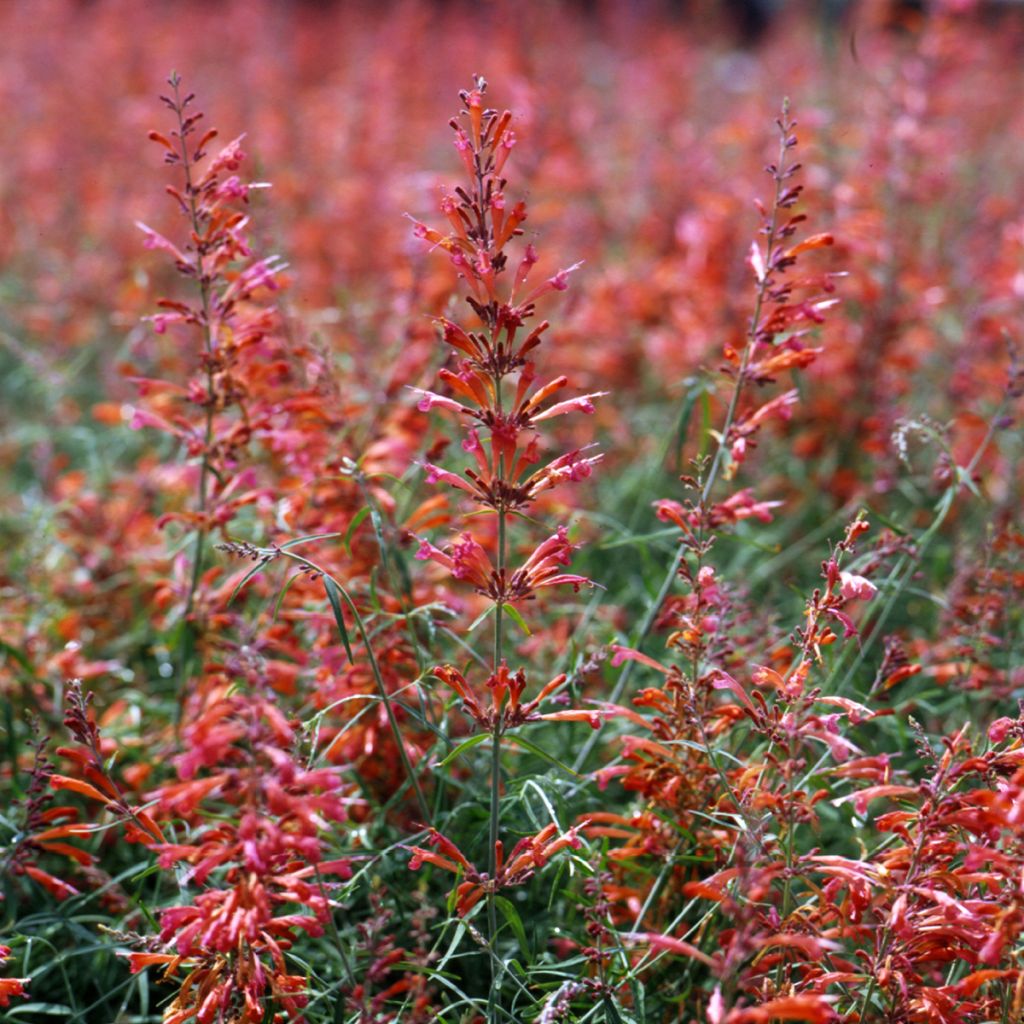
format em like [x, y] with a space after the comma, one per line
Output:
[528, 856]
[502, 478]
[256, 851]
[493, 389]
[235, 326]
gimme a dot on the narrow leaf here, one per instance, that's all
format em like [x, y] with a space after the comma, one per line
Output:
[543, 754]
[258, 567]
[332, 595]
[305, 540]
[513, 614]
[512, 916]
[281, 595]
[353, 526]
[473, 741]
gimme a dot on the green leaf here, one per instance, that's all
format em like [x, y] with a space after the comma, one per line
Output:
[516, 922]
[513, 614]
[611, 1015]
[705, 425]
[258, 567]
[460, 931]
[306, 539]
[678, 442]
[378, 529]
[473, 741]
[353, 526]
[900, 531]
[19, 1009]
[281, 595]
[332, 595]
[543, 754]
[489, 610]
[639, 538]
[964, 477]
[19, 657]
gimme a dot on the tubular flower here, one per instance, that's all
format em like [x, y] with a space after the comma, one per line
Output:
[507, 714]
[467, 560]
[528, 855]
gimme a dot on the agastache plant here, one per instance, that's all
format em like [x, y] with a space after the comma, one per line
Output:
[681, 766]
[214, 416]
[786, 308]
[493, 391]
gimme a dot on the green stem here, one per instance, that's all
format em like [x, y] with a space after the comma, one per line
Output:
[333, 589]
[495, 811]
[385, 697]
[346, 963]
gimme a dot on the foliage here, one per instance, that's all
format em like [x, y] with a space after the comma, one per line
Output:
[306, 714]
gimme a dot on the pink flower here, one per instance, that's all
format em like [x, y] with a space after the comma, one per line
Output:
[229, 158]
[435, 474]
[556, 283]
[1000, 729]
[465, 560]
[233, 188]
[716, 1007]
[853, 586]
[543, 567]
[429, 399]
[582, 404]
[154, 240]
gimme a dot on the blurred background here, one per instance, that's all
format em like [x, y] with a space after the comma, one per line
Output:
[643, 129]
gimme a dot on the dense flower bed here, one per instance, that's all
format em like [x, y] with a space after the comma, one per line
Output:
[561, 566]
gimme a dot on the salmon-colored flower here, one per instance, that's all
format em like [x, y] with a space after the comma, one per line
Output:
[467, 560]
[529, 855]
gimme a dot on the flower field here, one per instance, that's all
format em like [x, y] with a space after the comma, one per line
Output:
[511, 512]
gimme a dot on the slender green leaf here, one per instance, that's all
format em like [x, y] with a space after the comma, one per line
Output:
[19, 657]
[639, 538]
[511, 915]
[473, 741]
[333, 591]
[258, 567]
[305, 540]
[353, 526]
[513, 614]
[611, 1015]
[489, 610]
[281, 595]
[543, 754]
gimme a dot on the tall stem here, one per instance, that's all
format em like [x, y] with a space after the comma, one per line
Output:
[496, 784]
[651, 615]
[199, 548]
[495, 811]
